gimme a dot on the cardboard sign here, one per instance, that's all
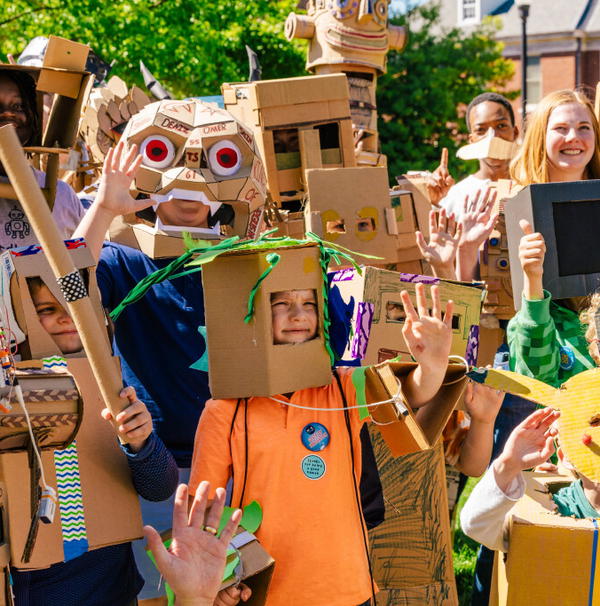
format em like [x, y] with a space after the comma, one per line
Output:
[352, 208]
[279, 111]
[105, 482]
[411, 551]
[378, 314]
[404, 430]
[537, 533]
[243, 361]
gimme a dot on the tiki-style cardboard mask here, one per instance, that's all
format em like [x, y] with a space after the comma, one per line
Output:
[201, 164]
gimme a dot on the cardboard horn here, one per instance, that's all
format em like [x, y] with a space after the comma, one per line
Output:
[69, 280]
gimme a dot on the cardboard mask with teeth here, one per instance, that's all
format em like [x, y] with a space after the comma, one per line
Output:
[202, 165]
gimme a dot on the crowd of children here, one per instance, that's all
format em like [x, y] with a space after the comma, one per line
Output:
[314, 525]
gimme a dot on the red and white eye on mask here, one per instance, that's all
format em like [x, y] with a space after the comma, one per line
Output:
[157, 152]
[224, 158]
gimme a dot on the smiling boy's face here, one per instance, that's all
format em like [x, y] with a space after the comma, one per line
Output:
[55, 320]
[295, 317]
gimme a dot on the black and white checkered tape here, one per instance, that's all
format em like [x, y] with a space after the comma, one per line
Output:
[72, 286]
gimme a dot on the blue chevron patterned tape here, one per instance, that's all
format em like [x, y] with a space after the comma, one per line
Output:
[70, 502]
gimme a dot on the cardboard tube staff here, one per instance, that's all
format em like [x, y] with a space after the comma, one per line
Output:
[80, 307]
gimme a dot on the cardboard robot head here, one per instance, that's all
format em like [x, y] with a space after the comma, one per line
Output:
[350, 32]
[200, 158]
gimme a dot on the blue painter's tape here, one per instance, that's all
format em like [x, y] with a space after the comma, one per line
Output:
[593, 568]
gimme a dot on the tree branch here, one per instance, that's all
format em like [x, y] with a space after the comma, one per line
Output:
[33, 10]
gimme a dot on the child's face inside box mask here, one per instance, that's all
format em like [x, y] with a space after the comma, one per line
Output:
[53, 317]
[295, 316]
[183, 213]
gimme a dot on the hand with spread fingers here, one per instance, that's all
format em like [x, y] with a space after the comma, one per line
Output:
[440, 181]
[134, 423]
[428, 336]
[440, 251]
[478, 220]
[530, 443]
[194, 564]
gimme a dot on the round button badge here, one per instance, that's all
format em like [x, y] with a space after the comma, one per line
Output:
[315, 437]
[313, 467]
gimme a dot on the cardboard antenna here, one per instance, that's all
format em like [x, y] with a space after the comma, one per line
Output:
[70, 282]
[153, 85]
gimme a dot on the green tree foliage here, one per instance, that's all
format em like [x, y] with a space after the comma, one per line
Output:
[191, 46]
[422, 98]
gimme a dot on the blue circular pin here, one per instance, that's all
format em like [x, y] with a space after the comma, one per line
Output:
[567, 357]
[315, 437]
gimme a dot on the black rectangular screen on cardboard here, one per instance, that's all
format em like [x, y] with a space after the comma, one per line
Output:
[577, 231]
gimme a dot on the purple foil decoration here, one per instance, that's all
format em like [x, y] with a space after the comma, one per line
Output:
[364, 318]
[472, 345]
[343, 275]
[418, 278]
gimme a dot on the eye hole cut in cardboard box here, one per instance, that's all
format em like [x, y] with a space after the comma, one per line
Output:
[100, 467]
[538, 534]
[242, 358]
[298, 123]
[378, 314]
[566, 214]
[352, 208]
[203, 166]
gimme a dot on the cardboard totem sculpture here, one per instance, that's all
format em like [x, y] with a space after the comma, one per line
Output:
[62, 85]
[201, 156]
[298, 123]
[352, 37]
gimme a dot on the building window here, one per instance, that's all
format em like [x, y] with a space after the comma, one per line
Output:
[467, 10]
[534, 80]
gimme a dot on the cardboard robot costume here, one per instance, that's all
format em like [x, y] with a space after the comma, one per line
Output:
[195, 153]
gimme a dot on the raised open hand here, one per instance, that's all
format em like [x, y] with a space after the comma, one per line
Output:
[194, 564]
[428, 335]
[478, 218]
[118, 172]
[440, 251]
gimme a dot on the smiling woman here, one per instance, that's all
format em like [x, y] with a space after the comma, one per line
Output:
[562, 142]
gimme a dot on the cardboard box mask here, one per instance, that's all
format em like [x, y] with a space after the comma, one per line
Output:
[351, 207]
[373, 300]
[243, 360]
[537, 533]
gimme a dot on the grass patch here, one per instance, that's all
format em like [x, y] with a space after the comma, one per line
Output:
[465, 551]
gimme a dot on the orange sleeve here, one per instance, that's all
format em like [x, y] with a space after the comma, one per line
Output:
[212, 456]
[350, 393]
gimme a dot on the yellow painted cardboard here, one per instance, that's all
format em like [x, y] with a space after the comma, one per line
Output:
[578, 404]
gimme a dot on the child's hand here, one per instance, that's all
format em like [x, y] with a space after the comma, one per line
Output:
[194, 564]
[530, 443]
[482, 403]
[440, 252]
[427, 335]
[134, 424]
[232, 595]
[532, 250]
[478, 218]
[440, 181]
[118, 172]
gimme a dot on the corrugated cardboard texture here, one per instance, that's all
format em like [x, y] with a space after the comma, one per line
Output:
[243, 361]
[353, 196]
[110, 502]
[411, 551]
[549, 561]
[418, 430]
[377, 294]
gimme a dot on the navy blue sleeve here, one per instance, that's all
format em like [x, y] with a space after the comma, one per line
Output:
[153, 469]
